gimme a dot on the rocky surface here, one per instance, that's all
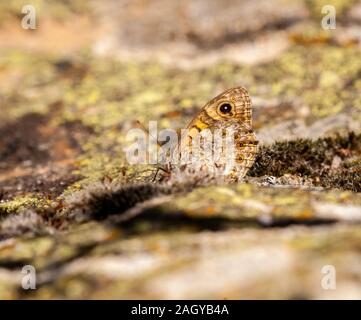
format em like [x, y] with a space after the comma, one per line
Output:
[95, 227]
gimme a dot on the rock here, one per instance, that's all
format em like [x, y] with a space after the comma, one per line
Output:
[93, 226]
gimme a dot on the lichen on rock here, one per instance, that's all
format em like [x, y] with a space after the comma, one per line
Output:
[95, 226]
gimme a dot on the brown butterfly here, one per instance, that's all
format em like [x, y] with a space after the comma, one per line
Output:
[231, 110]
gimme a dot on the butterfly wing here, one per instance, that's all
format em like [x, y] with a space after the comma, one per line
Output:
[208, 116]
[245, 141]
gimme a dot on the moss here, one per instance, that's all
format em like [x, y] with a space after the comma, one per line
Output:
[100, 200]
[314, 159]
[349, 179]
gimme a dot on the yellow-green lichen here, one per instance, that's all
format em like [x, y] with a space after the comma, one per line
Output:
[12, 206]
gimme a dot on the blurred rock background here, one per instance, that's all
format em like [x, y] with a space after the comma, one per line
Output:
[95, 227]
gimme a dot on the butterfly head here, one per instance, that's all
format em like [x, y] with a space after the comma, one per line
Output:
[232, 104]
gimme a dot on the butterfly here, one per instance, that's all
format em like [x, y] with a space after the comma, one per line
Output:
[229, 115]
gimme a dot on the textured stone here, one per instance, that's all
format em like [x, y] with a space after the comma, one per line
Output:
[95, 227]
